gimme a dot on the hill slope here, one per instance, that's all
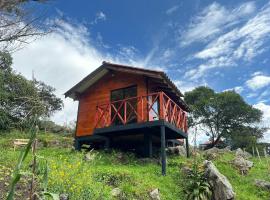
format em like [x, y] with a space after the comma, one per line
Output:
[71, 174]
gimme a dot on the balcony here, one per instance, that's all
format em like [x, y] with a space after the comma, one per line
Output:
[138, 110]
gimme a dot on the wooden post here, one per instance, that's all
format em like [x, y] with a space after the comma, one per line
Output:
[162, 148]
[148, 152]
[187, 147]
[161, 102]
[77, 144]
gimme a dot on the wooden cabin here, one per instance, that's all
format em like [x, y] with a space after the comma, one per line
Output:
[130, 108]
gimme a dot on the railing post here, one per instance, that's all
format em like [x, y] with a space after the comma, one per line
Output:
[125, 111]
[142, 114]
[96, 117]
[161, 102]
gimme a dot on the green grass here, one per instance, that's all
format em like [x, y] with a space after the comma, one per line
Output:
[70, 173]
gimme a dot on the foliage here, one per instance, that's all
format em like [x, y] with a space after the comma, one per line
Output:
[69, 173]
[196, 185]
[20, 99]
[219, 115]
[19, 24]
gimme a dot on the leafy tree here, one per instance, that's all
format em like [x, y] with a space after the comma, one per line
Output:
[220, 115]
[18, 23]
[21, 99]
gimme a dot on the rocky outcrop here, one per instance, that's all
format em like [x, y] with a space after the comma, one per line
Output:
[178, 150]
[213, 153]
[244, 154]
[63, 197]
[242, 164]
[116, 192]
[222, 188]
[262, 184]
[154, 195]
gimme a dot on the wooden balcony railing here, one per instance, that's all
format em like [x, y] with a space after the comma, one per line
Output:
[152, 107]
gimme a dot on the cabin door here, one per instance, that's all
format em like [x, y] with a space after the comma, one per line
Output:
[131, 105]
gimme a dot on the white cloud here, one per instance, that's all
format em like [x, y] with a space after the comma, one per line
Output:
[258, 81]
[239, 44]
[172, 10]
[266, 118]
[213, 20]
[237, 89]
[100, 16]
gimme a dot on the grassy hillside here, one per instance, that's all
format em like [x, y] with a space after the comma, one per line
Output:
[94, 179]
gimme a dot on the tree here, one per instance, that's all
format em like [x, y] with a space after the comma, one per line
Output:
[21, 99]
[220, 114]
[18, 23]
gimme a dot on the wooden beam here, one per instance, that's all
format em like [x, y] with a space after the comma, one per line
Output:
[187, 147]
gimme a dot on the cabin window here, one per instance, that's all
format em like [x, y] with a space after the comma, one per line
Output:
[120, 94]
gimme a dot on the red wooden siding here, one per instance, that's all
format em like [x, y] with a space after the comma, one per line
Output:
[99, 93]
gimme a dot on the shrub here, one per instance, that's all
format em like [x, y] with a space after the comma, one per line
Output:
[197, 186]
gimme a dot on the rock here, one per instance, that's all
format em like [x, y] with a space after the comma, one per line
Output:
[244, 154]
[155, 194]
[90, 156]
[212, 150]
[242, 164]
[211, 154]
[178, 150]
[186, 170]
[262, 184]
[63, 197]
[222, 188]
[116, 192]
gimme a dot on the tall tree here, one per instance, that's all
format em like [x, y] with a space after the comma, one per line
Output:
[21, 99]
[19, 23]
[220, 114]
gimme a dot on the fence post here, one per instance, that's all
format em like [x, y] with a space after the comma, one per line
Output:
[161, 102]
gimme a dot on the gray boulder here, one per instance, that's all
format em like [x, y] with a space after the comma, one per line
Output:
[242, 164]
[178, 150]
[262, 184]
[63, 197]
[222, 188]
[116, 192]
[155, 194]
[244, 154]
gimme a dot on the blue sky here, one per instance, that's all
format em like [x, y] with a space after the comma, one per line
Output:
[222, 44]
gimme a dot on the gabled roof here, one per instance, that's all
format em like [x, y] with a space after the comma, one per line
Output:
[156, 76]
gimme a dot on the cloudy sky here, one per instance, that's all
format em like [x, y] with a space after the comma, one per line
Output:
[222, 44]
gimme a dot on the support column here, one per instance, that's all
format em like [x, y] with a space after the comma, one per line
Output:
[148, 152]
[187, 147]
[77, 145]
[162, 150]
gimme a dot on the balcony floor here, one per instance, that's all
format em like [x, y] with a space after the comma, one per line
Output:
[145, 127]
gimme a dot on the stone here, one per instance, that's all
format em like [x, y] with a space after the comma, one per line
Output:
[244, 154]
[242, 164]
[155, 194]
[222, 188]
[116, 192]
[186, 170]
[90, 156]
[63, 197]
[262, 184]
[178, 150]
[211, 154]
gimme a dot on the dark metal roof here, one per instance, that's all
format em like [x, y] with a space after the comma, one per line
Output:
[159, 76]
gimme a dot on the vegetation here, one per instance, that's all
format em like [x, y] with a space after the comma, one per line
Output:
[22, 99]
[71, 174]
[197, 186]
[223, 115]
[19, 23]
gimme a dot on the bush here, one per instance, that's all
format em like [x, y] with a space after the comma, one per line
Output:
[197, 186]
